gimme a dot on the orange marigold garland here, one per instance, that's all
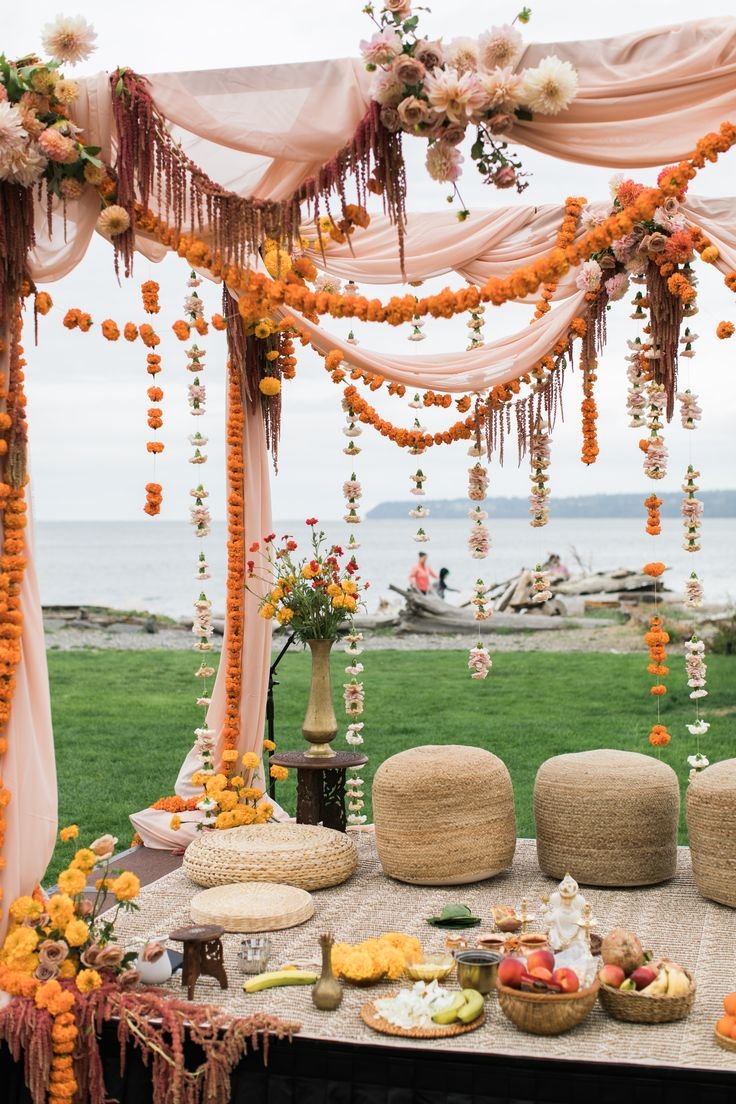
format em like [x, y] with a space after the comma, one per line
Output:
[589, 412]
[656, 640]
[724, 330]
[149, 295]
[235, 616]
[653, 504]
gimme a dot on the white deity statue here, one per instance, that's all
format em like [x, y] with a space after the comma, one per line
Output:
[564, 915]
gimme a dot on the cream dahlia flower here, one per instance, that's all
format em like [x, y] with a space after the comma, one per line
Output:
[456, 95]
[502, 89]
[462, 54]
[500, 47]
[114, 220]
[12, 135]
[551, 87]
[22, 165]
[69, 38]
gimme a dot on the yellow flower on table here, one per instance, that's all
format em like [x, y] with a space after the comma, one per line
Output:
[251, 761]
[126, 886]
[76, 933]
[251, 793]
[69, 833]
[72, 881]
[87, 980]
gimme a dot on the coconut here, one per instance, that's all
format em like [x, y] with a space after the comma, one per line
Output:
[622, 948]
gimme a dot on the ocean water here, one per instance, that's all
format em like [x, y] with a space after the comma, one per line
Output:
[150, 564]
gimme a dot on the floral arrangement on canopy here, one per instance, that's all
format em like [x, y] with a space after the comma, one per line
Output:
[437, 91]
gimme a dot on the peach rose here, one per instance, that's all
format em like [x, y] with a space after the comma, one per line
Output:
[390, 118]
[501, 123]
[52, 952]
[408, 70]
[413, 111]
[429, 53]
[104, 846]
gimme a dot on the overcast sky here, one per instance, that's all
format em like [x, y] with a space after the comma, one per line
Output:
[87, 399]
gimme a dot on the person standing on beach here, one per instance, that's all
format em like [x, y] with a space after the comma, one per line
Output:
[421, 573]
[443, 586]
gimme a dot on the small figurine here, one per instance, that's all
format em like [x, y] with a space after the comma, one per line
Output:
[563, 915]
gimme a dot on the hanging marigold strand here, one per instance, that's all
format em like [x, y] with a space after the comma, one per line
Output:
[653, 504]
[149, 296]
[235, 614]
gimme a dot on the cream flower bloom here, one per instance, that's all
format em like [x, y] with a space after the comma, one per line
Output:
[551, 87]
[462, 54]
[499, 47]
[24, 165]
[456, 95]
[113, 221]
[12, 135]
[502, 89]
[69, 38]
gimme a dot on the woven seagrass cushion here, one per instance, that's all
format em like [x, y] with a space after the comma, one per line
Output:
[711, 826]
[607, 817]
[252, 906]
[303, 855]
[444, 815]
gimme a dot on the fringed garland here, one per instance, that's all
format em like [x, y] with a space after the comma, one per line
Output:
[235, 613]
[13, 518]
[17, 238]
[151, 165]
[666, 312]
[157, 1025]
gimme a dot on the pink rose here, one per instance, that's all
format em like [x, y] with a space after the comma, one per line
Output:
[501, 123]
[128, 979]
[504, 177]
[401, 8]
[408, 70]
[607, 262]
[429, 53]
[655, 243]
[91, 956]
[110, 957]
[152, 952]
[413, 111]
[44, 972]
[390, 118]
[381, 49]
[104, 846]
[454, 133]
[84, 909]
[52, 952]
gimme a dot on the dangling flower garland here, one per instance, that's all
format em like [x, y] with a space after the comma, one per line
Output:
[653, 447]
[653, 526]
[235, 617]
[693, 592]
[149, 295]
[656, 640]
[540, 585]
[12, 553]
[696, 671]
[539, 462]
[691, 510]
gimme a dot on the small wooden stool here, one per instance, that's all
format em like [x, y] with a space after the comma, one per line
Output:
[320, 785]
[202, 955]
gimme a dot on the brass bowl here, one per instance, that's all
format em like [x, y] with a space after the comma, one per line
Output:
[477, 970]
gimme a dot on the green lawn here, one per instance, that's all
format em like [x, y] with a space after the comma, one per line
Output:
[125, 720]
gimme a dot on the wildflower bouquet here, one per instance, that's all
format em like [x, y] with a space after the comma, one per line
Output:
[312, 595]
[437, 91]
[62, 937]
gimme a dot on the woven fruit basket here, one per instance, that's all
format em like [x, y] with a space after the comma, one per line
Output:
[634, 1007]
[724, 1041]
[546, 1013]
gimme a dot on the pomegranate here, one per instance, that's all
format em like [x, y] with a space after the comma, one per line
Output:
[622, 948]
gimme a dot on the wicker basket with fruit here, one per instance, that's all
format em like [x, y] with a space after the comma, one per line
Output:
[639, 989]
[540, 999]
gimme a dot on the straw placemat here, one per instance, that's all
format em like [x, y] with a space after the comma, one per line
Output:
[252, 907]
[672, 919]
[375, 1020]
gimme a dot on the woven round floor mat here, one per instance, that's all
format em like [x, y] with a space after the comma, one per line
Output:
[369, 1015]
[252, 907]
[444, 815]
[711, 826]
[303, 855]
[607, 817]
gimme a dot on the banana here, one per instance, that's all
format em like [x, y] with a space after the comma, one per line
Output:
[658, 988]
[472, 1007]
[678, 983]
[449, 1015]
[277, 978]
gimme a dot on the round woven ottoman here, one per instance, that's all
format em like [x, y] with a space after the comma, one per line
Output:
[302, 855]
[607, 817]
[444, 815]
[711, 826]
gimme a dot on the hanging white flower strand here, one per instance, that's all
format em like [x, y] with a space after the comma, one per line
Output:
[540, 585]
[352, 493]
[690, 411]
[636, 400]
[481, 600]
[691, 509]
[418, 479]
[479, 541]
[475, 328]
[654, 448]
[693, 592]
[479, 661]
[354, 698]
[696, 669]
[539, 462]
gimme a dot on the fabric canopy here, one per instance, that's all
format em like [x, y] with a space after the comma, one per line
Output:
[644, 99]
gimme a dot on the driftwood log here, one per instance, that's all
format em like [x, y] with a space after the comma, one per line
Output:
[426, 613]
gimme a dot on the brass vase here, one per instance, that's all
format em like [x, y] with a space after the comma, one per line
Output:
[320, 723]
[327, 992]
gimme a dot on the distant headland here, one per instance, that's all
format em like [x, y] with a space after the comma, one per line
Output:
[715, 504]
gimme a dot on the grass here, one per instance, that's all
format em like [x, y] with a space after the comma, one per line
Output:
[124, 720]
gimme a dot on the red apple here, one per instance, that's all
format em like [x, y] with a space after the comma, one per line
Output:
[612, 975]
[541, 958]
[510, 971]
[643, 976]
[542, 973]
[567, 979]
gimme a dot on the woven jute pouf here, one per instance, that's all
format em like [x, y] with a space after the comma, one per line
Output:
[711, 826]
[607, 817]
[444, 815]
[303, 855]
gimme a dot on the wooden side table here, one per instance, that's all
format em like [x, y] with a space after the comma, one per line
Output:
[320, 785]
[202, 955]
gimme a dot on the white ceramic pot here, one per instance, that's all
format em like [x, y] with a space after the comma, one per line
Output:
[154, 973]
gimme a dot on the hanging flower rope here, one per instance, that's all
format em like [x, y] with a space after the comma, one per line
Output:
[691, 509]
[696, 668]
[13, 518]
[149, 296]
[653, 526]
[656, 640]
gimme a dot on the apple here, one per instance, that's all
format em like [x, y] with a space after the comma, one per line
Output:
[567, 979]
[542, 973]
[612, 975]
[510, 972]
[643, 976]
[541, 957]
